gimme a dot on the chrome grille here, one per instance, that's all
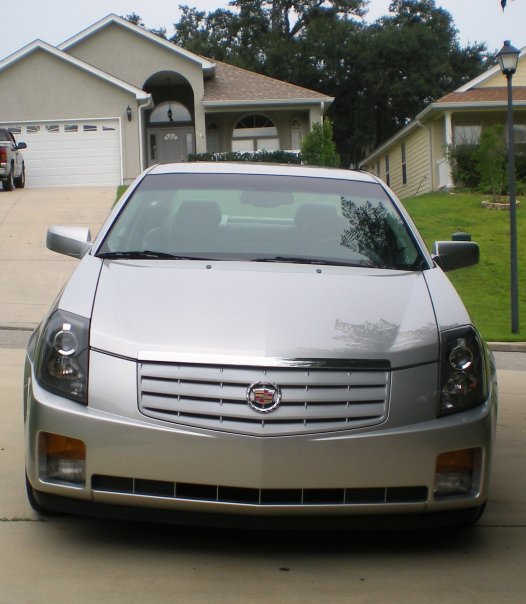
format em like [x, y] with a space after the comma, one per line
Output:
[215, 397]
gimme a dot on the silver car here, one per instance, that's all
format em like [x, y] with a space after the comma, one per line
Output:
[260, 345]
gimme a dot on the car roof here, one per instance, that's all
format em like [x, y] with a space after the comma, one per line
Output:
[223, 167]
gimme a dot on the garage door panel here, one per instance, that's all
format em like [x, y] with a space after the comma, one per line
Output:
[69, 154]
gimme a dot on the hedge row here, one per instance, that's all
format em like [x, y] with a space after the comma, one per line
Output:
[276, 157]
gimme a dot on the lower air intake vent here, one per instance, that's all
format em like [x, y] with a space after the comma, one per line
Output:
[225, 494]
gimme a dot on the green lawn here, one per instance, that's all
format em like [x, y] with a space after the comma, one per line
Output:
[485, 288]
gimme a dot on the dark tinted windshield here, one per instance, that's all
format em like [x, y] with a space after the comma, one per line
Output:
[263, 218]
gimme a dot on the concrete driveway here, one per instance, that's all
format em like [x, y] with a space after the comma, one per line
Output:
[60, 558]
[31, 275]
[56, 558]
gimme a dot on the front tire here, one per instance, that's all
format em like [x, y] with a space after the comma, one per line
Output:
[9, 184]
[32, 500]
[20, 182]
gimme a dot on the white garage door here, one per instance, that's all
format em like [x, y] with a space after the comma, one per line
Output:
[69, 153]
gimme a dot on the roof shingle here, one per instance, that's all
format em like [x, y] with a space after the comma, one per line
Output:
[478, 95]
[236, 84]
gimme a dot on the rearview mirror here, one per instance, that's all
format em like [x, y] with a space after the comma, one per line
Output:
[71, 241]
[267, 199]
[450, 255]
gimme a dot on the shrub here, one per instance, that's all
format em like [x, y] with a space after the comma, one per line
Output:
[484, 167]
[464, 166]
[318, 148]
[491, 161]
[277, 157]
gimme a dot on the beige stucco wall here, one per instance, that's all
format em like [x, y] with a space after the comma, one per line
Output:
[134, 58]
[43, 87]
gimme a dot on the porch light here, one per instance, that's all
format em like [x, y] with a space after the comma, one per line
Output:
[128, 113]
[508, 58]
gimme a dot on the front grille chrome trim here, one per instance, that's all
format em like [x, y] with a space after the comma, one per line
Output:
[254, 361]
[214, 397]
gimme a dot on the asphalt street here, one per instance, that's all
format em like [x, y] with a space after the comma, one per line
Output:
[60, 558]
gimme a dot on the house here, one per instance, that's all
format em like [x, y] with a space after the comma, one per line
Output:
[115, 99]
[415, 160]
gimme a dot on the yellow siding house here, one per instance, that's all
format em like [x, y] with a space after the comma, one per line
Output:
[414, 160]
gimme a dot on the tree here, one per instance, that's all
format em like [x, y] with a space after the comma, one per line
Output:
[262, 35]
[318, 148]
[136, 20]
[403, 62]
[212, 35]
[380, 75]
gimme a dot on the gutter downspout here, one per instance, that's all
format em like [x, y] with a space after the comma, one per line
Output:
[142, 106]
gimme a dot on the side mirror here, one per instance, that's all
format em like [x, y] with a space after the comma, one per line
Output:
[450, 255]
[71, 241]
[21, 146]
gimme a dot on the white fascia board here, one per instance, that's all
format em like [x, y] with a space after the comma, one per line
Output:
[22, 52]
[40, 45]
[207, 66]
[484, 76]
[267, 102]
[476, 105]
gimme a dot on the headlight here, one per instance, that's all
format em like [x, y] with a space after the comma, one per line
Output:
[462, 371]
[62, 356]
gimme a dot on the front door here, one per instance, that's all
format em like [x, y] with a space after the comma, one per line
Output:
[170, 145]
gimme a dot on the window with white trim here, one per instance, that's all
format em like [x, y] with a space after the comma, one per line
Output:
[404, 164]
[170, 111]
[255, 132]
[467, 134]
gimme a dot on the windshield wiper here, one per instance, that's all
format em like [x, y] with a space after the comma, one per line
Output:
[145, 254]
[303, 260]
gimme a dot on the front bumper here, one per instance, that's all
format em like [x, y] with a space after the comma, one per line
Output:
[136, 464]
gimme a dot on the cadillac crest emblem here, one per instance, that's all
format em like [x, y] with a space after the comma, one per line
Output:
[263, 397]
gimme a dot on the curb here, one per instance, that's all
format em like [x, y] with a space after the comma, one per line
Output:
[507, 346]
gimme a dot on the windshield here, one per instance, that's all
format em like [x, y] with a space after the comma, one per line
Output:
[262, 218]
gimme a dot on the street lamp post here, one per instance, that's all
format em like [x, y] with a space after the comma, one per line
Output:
[508, 57]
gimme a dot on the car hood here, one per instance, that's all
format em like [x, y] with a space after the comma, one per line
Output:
[173, 310]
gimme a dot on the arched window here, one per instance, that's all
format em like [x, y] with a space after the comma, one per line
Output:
[171, 111]
[255, 132]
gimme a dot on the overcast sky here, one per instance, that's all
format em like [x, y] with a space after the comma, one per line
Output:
[56, 20]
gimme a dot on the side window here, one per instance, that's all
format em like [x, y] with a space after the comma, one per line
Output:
[404, 165]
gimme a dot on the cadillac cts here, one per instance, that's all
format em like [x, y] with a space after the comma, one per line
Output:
[257, 344]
